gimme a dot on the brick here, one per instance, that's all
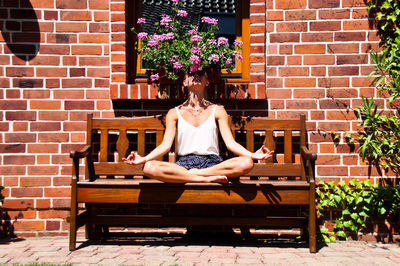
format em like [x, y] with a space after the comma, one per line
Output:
[86, 50]
[332, 171]
[42, 170]
[77, 72]
[299, 15]
[333, 82]
[334, 14]
[98, 4]
[79, 105]
[52, 83]
[333, 104]
[317, 37]
[51, 115]
[300, 82]
[70, 60]
[35, 94]
[50, 15]
[25, 225]
[43, 148]
[101, 16]
[75, 15]
[352, 59]
[318, 71]
[350, 36]
[309, 49]
[71, 27]
[93, 38]
[325, 26]
[42, 203]
[53, 137]
[54, 49]
[21, 115]
[45, 105]
[102, 27]
[57, 192]
[45, 126]
[303, 104]
[323, 3]
[293, 71]
[12, 148]
[45, 60]
[26, 192]
[33, 181]
[93, 61]
[284, 37]
[71, 4]
[342, 93]
[360, 13]
[76, 83]
[291, 26]
[308, 93]
[343, 71]
[61, 203]
[61, 38]
[356, 25]
[343, 48]
[17, 203]
[12, 170]
[97, 94]
[20, 137]
[319, 60]
[4, 82]
[74, 126]
[51, 72]
[19, 71]
[272, 60]
[340, 115]
[284, 4]
[4, 126]
[68, 94]
[39, 4]
[353, 3]
[18, 159]
[361, 81]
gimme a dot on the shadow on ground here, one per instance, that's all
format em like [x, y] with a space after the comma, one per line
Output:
[201, 238]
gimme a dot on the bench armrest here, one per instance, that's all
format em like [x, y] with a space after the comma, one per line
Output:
[309, 159]
[86, 152]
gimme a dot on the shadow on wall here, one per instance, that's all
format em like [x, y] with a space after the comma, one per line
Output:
[19, 28]
[6, 227]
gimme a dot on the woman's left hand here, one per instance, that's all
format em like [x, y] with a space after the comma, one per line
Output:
[262, 153]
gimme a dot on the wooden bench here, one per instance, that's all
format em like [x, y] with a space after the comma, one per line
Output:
[281, 190]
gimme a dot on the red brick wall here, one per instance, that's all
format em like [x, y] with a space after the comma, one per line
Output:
[63, 58]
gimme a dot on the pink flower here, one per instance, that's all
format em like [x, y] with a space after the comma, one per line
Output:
[193, 31]
[196, 50]
[239, 57]
[229, 61]
[214, 57]
[196, 38]
[175, 1]
[152, 42]
[212, 41]
[195, 59]
[142, 35]
[141, 21]
[209, 20]
[222, 40]
[194, 68]
[178, 65]
[182, 13]
[238, 43]
[165, 20]
[154, 77]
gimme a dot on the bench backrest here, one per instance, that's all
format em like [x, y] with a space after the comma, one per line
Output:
[112, 139]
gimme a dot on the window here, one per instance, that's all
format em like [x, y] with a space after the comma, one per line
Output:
[234, 23]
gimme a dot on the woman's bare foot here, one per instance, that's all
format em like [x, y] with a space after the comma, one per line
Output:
[217, 179]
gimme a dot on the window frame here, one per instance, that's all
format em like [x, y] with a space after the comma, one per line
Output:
[241, 75]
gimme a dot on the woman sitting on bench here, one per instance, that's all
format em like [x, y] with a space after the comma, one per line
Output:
[198, 153]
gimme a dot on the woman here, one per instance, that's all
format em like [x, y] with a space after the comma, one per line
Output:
[199, 160]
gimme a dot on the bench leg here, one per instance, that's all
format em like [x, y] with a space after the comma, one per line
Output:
[73, 220]
[312, 221]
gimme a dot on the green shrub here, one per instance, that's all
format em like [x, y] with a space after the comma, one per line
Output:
[358, 205]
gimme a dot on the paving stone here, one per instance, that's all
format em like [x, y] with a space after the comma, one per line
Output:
[249, 261]
[55, 260]
[4, 260]
[187, 249]
[86, 260]
[23, 260]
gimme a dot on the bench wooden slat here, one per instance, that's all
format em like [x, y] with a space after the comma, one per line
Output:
[109, 168]
[128, 123]
[267, 124]
[141, 142]
[269, 143]
[287, 146]
[187, 195]
[250, 140]
[104, 145]
[122, 144]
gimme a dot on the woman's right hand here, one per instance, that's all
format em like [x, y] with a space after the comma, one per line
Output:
[134, 158]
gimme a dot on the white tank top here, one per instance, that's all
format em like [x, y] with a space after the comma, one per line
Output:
[201, 140]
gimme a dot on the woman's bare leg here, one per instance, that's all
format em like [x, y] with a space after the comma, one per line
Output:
[173, 173]
[234, 167]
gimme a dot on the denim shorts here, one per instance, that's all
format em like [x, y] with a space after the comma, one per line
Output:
[198, 161]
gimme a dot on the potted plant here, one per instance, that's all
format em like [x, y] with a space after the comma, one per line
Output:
[177, 48]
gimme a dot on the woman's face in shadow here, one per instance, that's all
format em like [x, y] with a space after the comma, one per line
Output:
[195, 82]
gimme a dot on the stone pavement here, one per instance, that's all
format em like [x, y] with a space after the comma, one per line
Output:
[173, 249]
